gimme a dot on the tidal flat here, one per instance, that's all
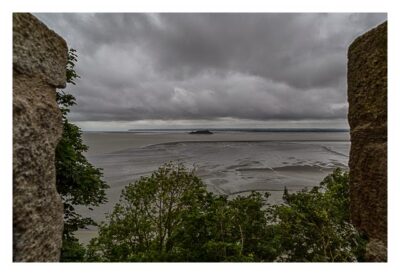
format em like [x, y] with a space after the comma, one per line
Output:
[229, 162]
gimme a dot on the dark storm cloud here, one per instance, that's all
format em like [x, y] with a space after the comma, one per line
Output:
[207, 66]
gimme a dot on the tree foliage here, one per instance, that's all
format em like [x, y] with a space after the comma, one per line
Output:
[314, 226]
[170, 216]
[77, 180]
[150, 211]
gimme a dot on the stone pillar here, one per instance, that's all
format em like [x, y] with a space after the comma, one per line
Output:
[39, 60]
[367, 96]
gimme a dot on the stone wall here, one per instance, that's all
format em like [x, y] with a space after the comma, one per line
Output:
[367, 96]
[39, 60]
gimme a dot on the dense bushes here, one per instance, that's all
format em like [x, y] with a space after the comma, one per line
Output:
[169, 216]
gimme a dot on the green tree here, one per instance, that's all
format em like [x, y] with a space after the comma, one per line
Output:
[169, 216]
[78, 181]
[314, 226]
[226, 229]
[141, 225]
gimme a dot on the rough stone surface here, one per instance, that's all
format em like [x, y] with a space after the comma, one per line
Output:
[37, 50]
[367, 96]
[376, 251]
[38, 68]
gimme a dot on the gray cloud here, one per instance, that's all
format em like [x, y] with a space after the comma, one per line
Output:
[210, 66]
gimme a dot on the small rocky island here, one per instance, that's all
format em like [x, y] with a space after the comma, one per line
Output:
[201, 132]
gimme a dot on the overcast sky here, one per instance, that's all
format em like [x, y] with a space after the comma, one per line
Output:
[210, 70]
